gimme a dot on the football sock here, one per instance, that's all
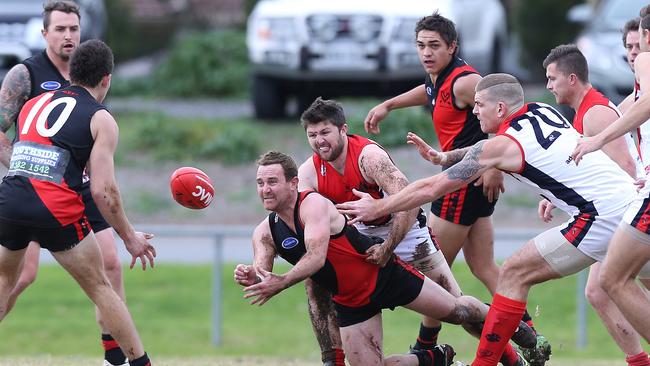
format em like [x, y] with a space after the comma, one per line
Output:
[510, 356]
[528, 320]
[142, 361]
[340, 357]
[500, 324]
[335, 355]
[428, 337]
[112, 351]
[425, 357]
[638, 360]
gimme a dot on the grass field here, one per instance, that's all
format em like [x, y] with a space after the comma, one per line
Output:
[171, 306]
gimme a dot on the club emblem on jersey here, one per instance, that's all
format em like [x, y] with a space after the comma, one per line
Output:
[445, 97]
[51, 85]
[289, 242]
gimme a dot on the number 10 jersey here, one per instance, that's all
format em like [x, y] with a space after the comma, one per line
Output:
[53, 144]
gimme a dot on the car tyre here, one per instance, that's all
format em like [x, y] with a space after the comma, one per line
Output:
[269, 99]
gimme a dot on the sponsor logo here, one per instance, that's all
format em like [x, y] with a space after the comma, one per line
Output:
[51, 85]
[492, 337]
[289, 242]
[429, 90]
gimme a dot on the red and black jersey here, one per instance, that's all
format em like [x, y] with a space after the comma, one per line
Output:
[53, 144]
[346, 274]
[44, 76]
[456, 128]
[592, 98]
[338, 187]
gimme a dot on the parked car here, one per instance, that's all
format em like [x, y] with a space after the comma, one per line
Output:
[21, 22]
[601, 43]
[364, 47]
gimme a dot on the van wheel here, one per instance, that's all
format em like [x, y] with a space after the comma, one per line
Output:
[269, 100]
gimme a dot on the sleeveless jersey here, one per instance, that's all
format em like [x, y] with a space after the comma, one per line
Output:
[455, 128]
[346, 274]
[338, 187]
[597, 186]
[593, 98]
[44, 75]
[52, 148]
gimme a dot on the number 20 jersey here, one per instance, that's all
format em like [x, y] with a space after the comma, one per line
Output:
[597, 186]
[53, 144]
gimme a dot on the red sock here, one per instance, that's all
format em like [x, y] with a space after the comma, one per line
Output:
[638, 360]
[109, 344]
[500, 324]
[340, 357]
[510, 356]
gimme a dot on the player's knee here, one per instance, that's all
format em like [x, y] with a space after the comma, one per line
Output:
[609, 283]
[596, 296]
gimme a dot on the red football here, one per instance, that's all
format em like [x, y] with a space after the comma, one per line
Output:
[191, 188]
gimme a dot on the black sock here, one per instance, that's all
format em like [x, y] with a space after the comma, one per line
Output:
[428, 337]
[142, 361]
[425, 357]
[112, 351]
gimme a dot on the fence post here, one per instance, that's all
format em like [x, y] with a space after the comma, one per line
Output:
[581, 310]
[217, 270]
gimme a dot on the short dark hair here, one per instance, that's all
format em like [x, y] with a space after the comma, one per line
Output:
[323, 110]
[569, 60]
[437, 23]
[275, 157]
[63, 6]
[92, 60]
[644, 13]
[631, 25]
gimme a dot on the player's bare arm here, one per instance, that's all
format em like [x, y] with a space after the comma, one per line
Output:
[414, 97]
[637, 114]
[499, 152]
[596, 120]
[464, 90]
[105, 192]
[307, 178]
[626, 103]
[15, 90]
[317, 232]
[376, 166]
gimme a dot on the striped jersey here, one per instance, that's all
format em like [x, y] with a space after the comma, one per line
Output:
[597, 186]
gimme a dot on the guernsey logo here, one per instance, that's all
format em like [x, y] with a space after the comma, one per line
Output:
[289, 242]
[51, 85]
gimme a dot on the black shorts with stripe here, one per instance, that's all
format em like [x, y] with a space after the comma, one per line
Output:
[463, 206]
[95, 218]
[402, 285]
[16, 237]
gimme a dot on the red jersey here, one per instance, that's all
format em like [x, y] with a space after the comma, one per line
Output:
[592, 98]
[456, 128]
[352, 281]
[338, 187]
[53, 144]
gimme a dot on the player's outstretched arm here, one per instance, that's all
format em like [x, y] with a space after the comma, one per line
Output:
[317, 233]
[498, 153]
[105, 192]
[263, 254]
[15, 90]
[414, 97]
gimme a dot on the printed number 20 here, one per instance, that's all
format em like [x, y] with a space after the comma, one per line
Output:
[41, 126]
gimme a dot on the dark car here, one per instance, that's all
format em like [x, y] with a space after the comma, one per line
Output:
[602, 45]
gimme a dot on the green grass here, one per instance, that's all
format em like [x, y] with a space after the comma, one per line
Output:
[171, 306]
